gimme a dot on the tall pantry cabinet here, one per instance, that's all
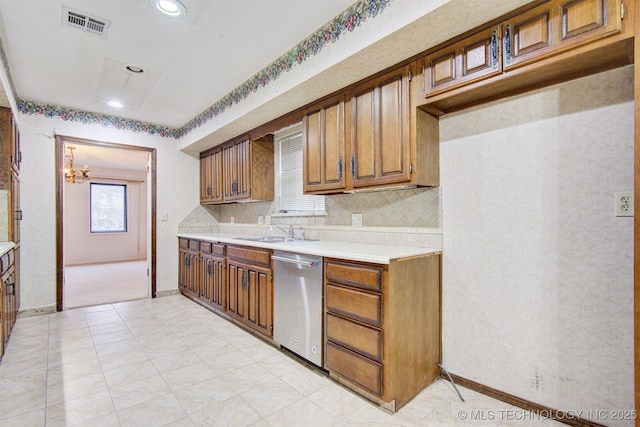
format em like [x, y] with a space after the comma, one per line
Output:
[10, 217]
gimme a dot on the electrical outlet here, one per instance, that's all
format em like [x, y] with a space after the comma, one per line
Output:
[356, 220]
[624, 203]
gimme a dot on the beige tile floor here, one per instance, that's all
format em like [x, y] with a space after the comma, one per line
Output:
[170, 362]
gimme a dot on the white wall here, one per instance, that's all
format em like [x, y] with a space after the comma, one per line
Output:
[177, 194]
[538, 271]
[83, 247]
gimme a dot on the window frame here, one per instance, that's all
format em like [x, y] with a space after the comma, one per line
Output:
[125, 212]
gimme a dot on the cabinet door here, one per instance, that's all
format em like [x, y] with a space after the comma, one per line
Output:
[211, 177]
[212, 281]
[183, 270]
[236, 280]
[219, 288]
[236, 166]
[16, 154]
[188, 273]
[206, 278]
[380, 136]
[556, 26]
[15, 212]
[467, 61]
[260, 299]
[324, 148]
[193, 274]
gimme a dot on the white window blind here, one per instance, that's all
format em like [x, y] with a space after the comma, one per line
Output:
[290, 174]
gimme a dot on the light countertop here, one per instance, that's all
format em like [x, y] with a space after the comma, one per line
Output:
[365, 252]
[5, 247]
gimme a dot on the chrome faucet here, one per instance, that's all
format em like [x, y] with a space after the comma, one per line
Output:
[289, 233]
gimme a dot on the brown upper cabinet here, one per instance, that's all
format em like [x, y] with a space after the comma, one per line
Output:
[556, 26]
[324, 147]
[370, 137]
[474, 58]
[538, 45]
[379, 131]
[241, 169]
[211, 176]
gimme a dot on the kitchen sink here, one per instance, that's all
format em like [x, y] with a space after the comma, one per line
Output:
[265, 239]
[273, 239]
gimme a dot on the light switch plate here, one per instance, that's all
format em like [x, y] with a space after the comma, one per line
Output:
[356, 220]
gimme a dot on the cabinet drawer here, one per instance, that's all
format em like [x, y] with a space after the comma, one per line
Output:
[194, 245]
[356, 368]
[212, 248]
[184, 243]
[252, 255]
[363, 276]
[356, 337]
[356, 304]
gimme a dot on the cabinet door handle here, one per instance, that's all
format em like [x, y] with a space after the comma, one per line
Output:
[494, 49]
[353, 166]
[208, 190]
[210, 269]
[340, 168]
[234, 187]
[187, 262]
[507, 44]
[19, 214]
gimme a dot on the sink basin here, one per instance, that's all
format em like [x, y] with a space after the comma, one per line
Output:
[265, 239]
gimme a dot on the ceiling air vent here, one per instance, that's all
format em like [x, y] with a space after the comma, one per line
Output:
[85, 22]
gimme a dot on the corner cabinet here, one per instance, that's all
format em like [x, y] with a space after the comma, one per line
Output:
[238, 170]
[370, 137]
[382, 326]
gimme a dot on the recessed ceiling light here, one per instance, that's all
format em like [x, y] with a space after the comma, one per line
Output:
[171, 8]
[133, 69]
[115, 104]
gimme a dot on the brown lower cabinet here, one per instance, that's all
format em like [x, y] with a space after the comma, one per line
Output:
[381, 321]
[382, 326]
[236, 281]
[9, 303]
[250, 284]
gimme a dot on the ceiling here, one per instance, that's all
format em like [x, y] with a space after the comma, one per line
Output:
[189, 62]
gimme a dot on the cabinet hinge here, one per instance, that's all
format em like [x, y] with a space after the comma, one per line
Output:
[410, 76]
[410, 168]
[622, 10]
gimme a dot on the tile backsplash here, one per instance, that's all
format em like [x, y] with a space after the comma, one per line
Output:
[408, 217]
[416, 207]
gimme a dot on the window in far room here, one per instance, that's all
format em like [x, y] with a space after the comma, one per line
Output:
[108, 208]
[289, 176]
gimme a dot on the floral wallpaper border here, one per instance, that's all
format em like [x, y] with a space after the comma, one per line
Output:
[331, 32]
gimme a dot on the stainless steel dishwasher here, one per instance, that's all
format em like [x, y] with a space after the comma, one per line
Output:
[297, 317]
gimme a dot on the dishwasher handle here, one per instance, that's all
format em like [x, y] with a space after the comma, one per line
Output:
[293, 261]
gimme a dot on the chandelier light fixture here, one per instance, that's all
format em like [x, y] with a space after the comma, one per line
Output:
[71, 175]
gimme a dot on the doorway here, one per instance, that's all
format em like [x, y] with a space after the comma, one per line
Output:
[105, 222]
